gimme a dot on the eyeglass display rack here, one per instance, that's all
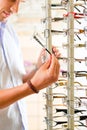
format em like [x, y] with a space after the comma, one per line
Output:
[70, 101]
[48, 37]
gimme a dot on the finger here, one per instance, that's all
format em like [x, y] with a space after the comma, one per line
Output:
[55, 66]
[56, 52]
[54, 49]
[46, 64]
[58, 69]
[53, 62]
[43, 58]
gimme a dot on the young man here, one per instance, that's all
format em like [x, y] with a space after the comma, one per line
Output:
[15, 84]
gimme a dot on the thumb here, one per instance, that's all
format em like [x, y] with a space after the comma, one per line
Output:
[46, 65]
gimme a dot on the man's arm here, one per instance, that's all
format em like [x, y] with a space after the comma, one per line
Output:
[11, 95]
[46, 75]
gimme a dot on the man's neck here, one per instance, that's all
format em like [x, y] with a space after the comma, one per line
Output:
[2, 21]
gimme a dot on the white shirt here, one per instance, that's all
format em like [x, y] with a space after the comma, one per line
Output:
[14, 116]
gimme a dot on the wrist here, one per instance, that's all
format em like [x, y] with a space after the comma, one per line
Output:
[32, 87]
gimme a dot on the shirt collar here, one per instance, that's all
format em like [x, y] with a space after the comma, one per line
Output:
[3, 24]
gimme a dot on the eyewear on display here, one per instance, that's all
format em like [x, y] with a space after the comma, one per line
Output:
[76, 73]
[77, 118]
[35, 37]
[54, 123]
[70, 31]
[65, 111]
[76, 45]
[57, 96]
[77, 85]
[58, 19]
[85, 1]
[62, 3]
[78, 6]
[76, 15]
[78, 101]
[80, 45]
[75, 59]
[60, 7]
[60, 58]
[62, 101]
[65, 16]
[76, 125]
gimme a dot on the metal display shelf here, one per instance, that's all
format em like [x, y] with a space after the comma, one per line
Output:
[69, 5]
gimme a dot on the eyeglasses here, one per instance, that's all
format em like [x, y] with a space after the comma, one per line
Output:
[62, 58]
[60, 6]
[76, 15]
[80, 45]
[62, 3]
[82, 1]
[57, 109]
[77, 118]
[65, 111]
[78, 101]
[63, 99]
[77, 73]
[77, 5]
[65, 2]
[77, 125]
[68, 31]
[64, 18]
[75, 59]
[54, 123]
[63, 82]
[76, 45]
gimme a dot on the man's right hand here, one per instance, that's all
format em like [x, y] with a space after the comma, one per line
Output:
[47, 74]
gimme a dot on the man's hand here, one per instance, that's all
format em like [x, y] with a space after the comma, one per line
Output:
[47, 74]
[42, 55]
